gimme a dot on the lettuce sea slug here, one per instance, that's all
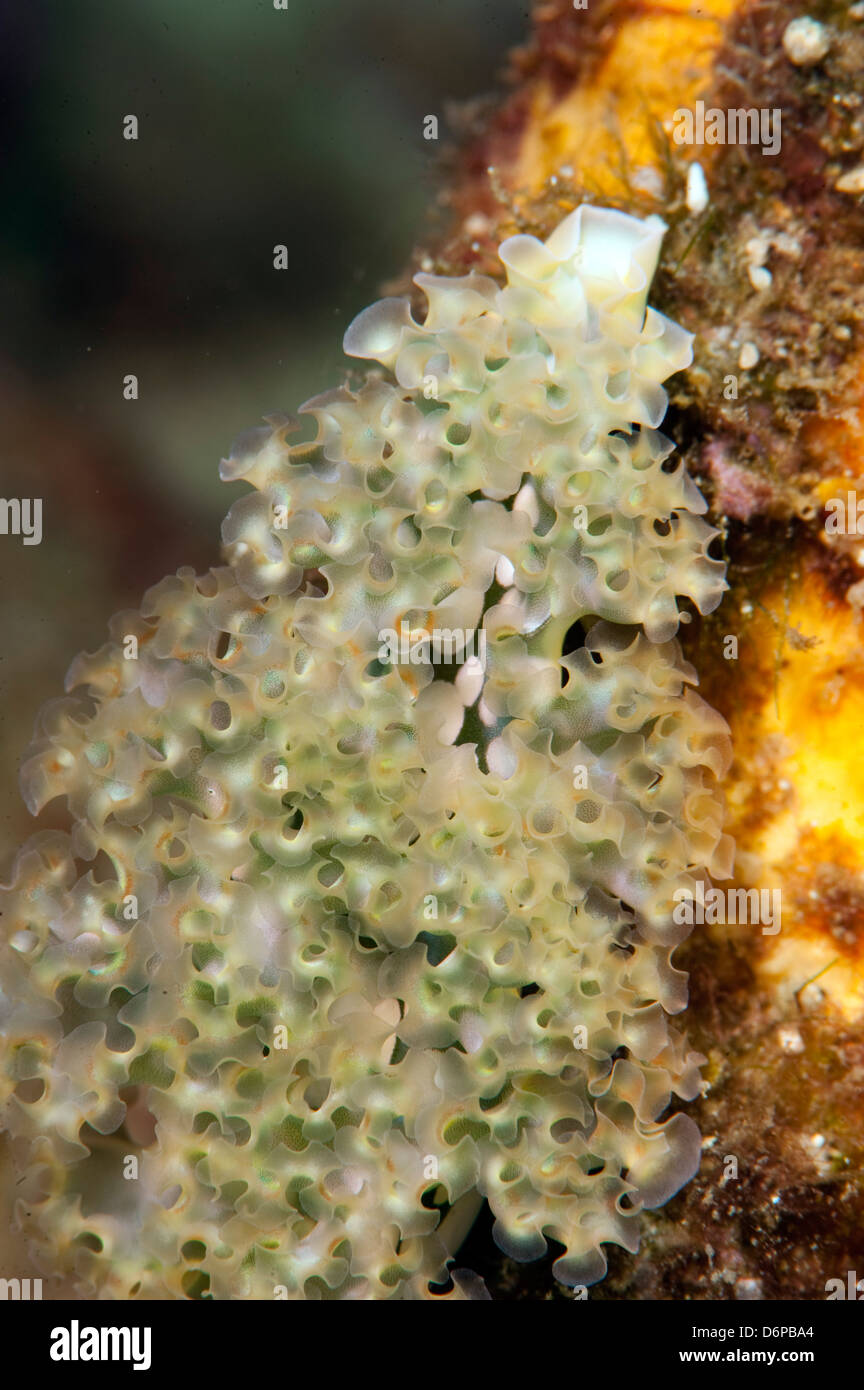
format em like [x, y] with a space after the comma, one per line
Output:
[369, 933]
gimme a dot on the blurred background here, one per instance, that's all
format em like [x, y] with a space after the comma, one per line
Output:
[154, 257]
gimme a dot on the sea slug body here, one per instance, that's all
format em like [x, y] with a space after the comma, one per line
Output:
[379, 938]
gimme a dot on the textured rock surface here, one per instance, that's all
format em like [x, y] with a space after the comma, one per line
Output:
[771, 436]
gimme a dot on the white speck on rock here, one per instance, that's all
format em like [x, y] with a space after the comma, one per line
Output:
[748, 357]
[756, 250]
[477, 225]
[806, 41]
[790, 1039]
[748, 1289]
[697, 189]
[851, 182]
[760, 278]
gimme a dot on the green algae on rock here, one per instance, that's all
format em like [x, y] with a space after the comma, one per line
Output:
[378, 938]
